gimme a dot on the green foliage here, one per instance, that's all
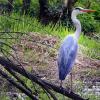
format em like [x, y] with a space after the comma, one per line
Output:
[95, 4]
[91, 96]
[91, 47]
[17, 22]
[29, 24]
[89, 24]
[18, 2]
[54, 3]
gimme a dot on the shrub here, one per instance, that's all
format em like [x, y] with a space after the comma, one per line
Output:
[89, 24]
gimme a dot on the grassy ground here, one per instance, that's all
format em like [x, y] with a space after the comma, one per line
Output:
[40, 58]
[19, 23]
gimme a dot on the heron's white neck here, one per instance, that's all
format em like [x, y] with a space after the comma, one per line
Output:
[77, 25]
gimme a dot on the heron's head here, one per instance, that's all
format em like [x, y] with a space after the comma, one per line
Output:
[80, 10]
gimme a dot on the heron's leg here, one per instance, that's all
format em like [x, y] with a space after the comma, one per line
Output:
[71, 80]
[61, 83]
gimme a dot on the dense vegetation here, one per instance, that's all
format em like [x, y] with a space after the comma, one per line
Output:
[18, 22]
[28, 24]
[90, 22]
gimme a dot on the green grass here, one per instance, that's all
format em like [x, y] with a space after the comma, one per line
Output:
[91, 47]
[3, 97]
[18, 23]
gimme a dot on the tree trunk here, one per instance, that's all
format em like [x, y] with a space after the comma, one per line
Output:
[26, 6]
[46, 15]
[71, 3]
[43, 12]
[67, 9]
[9, 6]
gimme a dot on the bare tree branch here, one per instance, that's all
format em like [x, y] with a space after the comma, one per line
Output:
[13, 73]
[4, 62]
[19, 80]
[17, 85]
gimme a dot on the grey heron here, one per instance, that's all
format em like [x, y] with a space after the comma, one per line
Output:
[68, 49]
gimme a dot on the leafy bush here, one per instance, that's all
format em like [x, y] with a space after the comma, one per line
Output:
[96, 5]
[89, 24]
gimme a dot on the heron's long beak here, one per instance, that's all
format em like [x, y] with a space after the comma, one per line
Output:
[88, 10]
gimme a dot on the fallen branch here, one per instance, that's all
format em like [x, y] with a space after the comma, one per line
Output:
[42, 84]
[18, 79]
[4, 62]
[17, 85]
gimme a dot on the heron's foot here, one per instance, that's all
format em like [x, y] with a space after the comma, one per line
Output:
[69, 90]
[61, 83]
[61, 87]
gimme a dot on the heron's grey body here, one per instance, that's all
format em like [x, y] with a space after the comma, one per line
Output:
[67, 55]
[68, 49]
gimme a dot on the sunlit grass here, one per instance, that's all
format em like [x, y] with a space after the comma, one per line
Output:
[19, 23]
[91, 47]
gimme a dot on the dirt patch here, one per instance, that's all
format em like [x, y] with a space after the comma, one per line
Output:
[39, 53]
